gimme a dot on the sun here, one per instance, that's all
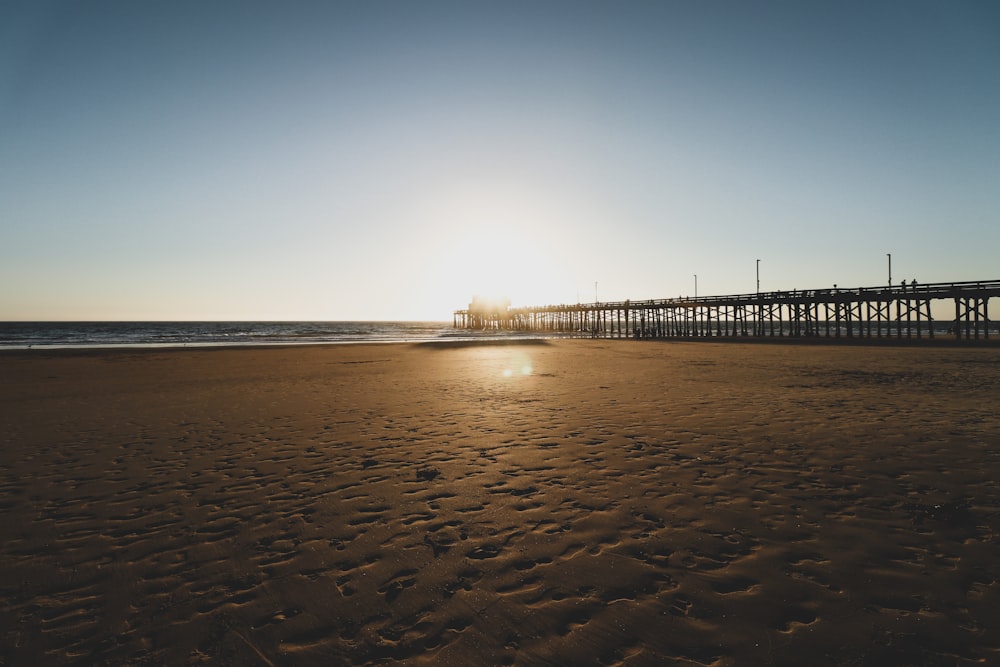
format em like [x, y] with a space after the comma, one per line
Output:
[498, 242]
[500, 265]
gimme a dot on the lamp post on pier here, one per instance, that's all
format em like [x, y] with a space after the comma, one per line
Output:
[758, 323]
[696, 285]
[889, 255]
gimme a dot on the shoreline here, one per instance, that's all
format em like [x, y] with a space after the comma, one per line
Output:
[526, 339]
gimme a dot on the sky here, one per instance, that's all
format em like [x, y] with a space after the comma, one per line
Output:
[389, 160]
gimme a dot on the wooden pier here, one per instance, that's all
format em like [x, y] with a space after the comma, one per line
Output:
[903, 311]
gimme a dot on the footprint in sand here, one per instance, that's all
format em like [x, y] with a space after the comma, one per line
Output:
[397, 584]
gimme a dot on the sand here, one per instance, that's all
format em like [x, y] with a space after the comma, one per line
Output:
[557, 503]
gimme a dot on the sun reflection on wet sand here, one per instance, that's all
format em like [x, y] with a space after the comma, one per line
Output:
[517, 363]
[505, 362]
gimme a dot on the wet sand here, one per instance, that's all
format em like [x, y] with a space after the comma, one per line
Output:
[560, 503]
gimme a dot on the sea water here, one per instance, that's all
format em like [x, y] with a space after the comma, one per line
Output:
[50, 335]
[34, 335]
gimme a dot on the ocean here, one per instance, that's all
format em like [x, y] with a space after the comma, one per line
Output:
[51, 335]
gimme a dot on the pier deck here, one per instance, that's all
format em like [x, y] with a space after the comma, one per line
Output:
[903, 311]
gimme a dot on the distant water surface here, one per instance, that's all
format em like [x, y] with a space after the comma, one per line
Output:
[24, 335]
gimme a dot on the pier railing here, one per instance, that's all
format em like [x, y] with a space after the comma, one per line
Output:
[900, 311]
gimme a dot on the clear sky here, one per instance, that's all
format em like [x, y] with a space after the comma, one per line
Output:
[390, 159]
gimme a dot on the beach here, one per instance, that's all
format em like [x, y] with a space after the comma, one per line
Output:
[567, 502]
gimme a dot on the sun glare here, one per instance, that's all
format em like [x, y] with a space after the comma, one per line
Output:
[505, 268]
[500, 240]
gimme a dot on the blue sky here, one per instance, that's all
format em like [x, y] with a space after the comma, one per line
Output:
[389, 160]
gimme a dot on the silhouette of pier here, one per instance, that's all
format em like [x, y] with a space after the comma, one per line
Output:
[897, 311]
